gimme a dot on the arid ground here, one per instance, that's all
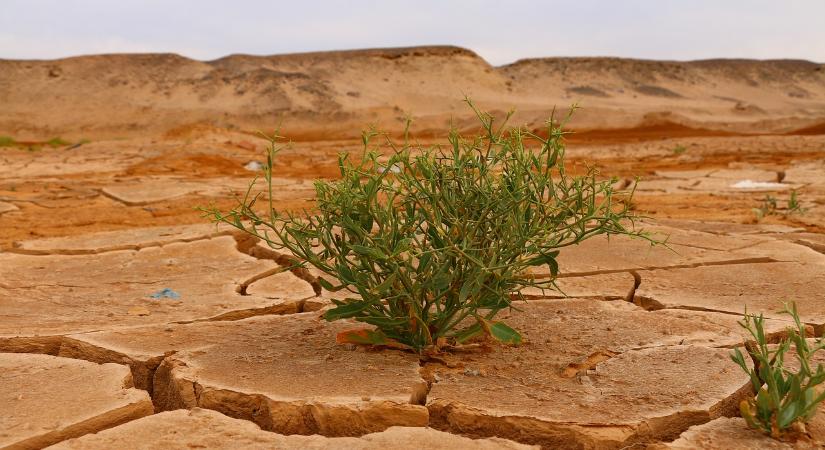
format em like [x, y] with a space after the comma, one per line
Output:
[104, 160]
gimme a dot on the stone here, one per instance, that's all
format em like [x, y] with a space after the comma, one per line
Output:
[47, 399]
[202, 428]
[247, 369]
[107, 241]
[59, 294]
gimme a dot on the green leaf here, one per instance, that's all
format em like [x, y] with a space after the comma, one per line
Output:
[368, 251]
[366, 336]
[328, 286]
[787, 415]
[500, 331]
[469, 333]
[345, 310]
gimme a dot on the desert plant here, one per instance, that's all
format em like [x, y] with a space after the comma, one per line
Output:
[679, 149]
[766, 208]
[57, 142]
[785, 399]
[433, 242]
[794, 206]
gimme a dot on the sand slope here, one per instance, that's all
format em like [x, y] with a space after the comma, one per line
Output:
[334, 94]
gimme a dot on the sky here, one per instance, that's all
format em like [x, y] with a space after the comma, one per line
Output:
[500, 31]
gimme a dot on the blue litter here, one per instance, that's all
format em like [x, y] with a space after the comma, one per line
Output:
[165, 293]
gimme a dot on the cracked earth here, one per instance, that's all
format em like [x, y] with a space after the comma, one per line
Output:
[632, 351]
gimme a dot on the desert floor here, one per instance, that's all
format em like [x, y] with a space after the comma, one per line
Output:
[635, 352]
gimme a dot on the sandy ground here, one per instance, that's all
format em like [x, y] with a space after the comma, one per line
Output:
[635, 354]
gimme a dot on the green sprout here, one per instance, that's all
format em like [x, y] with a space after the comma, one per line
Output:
[785, 399]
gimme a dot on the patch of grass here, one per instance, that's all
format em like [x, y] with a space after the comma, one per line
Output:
[770, 206]
[58, 142]
[766, 208]
[785, 399]
[679, 149]
[7, 141]
[794, 206]
[431, 243]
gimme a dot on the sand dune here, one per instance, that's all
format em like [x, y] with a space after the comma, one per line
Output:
[334, 94]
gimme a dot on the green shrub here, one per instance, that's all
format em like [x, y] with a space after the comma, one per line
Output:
[785, 399]
[433, 242]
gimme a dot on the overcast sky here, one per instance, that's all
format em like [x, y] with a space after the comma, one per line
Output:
[500, 31]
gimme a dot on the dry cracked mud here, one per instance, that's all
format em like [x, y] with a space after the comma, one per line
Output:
[633, 351]
[202, 428]
[47, 399]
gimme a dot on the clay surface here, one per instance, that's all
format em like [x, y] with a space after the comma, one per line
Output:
[59, 294]
[185, 429]
[248, 369]
[47, 399]
[601, 374]
[106, 256]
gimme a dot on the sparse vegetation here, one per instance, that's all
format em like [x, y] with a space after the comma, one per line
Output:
[793, 204]
[679, 149]
[785, 399]
[770, 206]
[433, 242]
[57, 142]
[766, 208]
[33, 146]
[7, 141]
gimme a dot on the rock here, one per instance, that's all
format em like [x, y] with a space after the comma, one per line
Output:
[641, 385]
[56, 295]
[285, 373]
[47, 399]
[107, 241]
[202, 428]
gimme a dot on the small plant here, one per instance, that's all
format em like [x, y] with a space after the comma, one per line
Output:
[7, 141]
[770, 206]
[679, 149]
[57, 142]
[767, 208]
[793, 204]
[785, 399]
[433, 242]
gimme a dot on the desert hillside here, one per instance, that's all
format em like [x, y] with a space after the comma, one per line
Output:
[318, 96]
